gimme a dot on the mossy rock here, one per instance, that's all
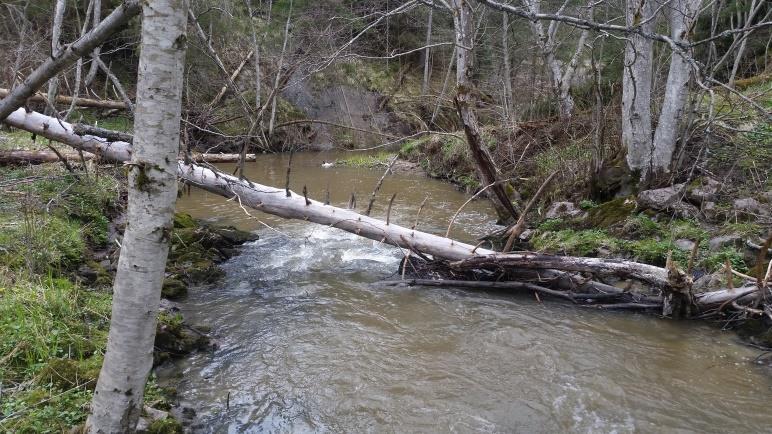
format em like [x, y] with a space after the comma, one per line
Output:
[173, 288]
[67, 373]
[184, 220]
[610, 213]
[165, 426]
[235, 236]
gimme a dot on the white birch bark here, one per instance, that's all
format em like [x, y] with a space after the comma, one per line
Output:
[508, 104]
[561, 74]
[682, 14]
[97, 17]
[636, 88]
[425, 82]
[119, 392]
[277, 79]
[56, 35]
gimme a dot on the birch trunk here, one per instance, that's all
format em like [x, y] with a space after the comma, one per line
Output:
[56, 35]
[636, 88]
[682, 14]
[425, 82]
[92, 72]
[508, 104]
[119, 392]
[277, 80]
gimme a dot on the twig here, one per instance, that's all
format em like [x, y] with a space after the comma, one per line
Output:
[379, 184]
[518, 228]
[388, 211]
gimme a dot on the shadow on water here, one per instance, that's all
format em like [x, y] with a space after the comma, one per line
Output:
[307, 343]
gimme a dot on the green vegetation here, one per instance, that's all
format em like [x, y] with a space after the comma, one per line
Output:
[367, 160]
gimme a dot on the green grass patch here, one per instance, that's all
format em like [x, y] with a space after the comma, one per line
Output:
[367, 160]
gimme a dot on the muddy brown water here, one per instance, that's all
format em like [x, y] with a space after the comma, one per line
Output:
[308, 342]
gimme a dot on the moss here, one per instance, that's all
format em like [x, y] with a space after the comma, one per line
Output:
[165, 426]
[581, 243]
[173, 289]
[716, 261]
[687, 229]
[655, 252]
[184, 220]
[610, 213]
[640, 226]
[67, 373]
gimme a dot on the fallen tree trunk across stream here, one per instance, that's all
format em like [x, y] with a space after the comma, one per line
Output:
[287, 204]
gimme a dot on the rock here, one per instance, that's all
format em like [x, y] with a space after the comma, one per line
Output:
[527, 234]
[610, 213]
[710, 210]
[684, 244]
[660, 199]
[719, 242]
[766, 197]
[704, 191]
[750, 206]
[173, 288]
[684, 210]
[563, 210]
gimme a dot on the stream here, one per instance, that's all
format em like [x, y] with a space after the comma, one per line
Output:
[307, 342]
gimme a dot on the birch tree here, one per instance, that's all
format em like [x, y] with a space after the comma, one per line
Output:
[56, 35]
[97, 17]
[426, 52]
[682, 16]
[119, 392]
[561, 73]
[636, 87]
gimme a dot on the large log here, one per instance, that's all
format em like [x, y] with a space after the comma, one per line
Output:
[647, 273]
[67, 100]
[65, 57]
[261, 197]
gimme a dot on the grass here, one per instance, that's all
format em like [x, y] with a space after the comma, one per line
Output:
[53, 329]
[367, 160]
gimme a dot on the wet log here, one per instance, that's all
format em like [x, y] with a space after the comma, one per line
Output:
[650, 274]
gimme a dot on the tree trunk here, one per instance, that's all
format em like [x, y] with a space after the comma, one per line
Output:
[56, 35]
[277, 80]
[119, 392]
[65, 57]
[466, 100]
[636, 88]
[95, 53]
[682, 16]
[508, 103]
[427, 52]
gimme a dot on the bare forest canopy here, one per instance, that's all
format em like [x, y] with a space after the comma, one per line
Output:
[274, 75]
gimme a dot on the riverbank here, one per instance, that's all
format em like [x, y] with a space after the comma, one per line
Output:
[59, 239]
